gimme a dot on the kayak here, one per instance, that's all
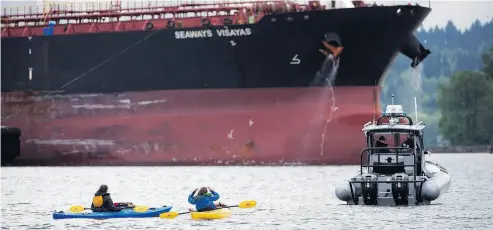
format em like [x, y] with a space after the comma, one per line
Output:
[211, 215]
[125, 213]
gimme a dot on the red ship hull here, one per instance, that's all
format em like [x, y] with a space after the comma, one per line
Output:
[273, 126]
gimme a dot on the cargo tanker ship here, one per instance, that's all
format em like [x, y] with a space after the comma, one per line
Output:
[240, 83]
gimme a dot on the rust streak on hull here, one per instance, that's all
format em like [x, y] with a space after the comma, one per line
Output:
[199, 127]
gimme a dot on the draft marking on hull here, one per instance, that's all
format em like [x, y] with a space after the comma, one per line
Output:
[230, 134]
[295, 60]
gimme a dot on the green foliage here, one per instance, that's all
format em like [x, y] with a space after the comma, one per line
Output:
[487, 59]
[466, 107]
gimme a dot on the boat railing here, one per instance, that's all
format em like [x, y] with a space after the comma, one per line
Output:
[416, 181]
[381, 119]
[118, 11]
[77, 7]
[398, 152]
[118, 6]
[393, 3]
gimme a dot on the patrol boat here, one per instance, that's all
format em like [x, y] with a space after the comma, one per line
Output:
[395, 175]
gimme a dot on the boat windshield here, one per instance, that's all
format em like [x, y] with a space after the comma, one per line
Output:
[389, 140]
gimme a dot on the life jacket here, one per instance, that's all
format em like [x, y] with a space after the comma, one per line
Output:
[97, 201]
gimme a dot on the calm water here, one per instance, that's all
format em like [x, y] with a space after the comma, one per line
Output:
[288, 197]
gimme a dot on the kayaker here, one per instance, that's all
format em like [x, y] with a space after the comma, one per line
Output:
[204, 201]
[102, 201]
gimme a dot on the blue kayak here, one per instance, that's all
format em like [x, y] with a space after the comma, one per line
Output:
[125, 213]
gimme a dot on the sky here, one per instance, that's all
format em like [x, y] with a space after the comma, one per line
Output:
[461, 13]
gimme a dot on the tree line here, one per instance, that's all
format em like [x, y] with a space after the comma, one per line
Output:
[453, 86]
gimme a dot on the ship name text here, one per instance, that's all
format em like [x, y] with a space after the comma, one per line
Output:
[210, 33]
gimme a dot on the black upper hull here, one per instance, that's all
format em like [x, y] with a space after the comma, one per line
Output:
[155, 60]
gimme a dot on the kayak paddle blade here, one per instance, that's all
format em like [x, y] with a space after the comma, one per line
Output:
[168, 215]
[141, 209]
[248, 204]
[77, 208]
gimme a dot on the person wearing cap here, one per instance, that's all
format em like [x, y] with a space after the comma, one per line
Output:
[382, 143]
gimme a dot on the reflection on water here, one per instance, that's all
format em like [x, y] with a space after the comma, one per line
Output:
[288, 197]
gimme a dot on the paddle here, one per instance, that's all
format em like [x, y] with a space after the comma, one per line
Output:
[80, 208]
[244, 204]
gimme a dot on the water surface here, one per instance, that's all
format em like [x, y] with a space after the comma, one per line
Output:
[288, 197]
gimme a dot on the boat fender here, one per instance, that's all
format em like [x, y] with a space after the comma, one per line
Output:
[206, 22]
[400, 190]
[369, 190]
[430, 190]
[228, 21]
[149, 26]
[171, 24]
[347, 191]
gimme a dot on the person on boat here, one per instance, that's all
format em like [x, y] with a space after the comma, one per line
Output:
[382, 143]
[389, 160]
[102, 202]
[204, 201]
[409, 142]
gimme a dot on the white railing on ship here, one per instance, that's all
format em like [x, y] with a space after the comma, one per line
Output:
[74, 8]
[78, 7]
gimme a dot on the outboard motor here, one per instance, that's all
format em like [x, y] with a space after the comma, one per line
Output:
[369, 190]
[400, 190]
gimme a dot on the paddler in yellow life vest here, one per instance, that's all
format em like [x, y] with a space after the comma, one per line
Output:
[102, 201]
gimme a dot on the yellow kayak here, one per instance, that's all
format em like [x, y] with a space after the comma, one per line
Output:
[211, 215]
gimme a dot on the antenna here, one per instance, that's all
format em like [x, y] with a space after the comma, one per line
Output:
[416, 109]
[374, 102]
[392, 99]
